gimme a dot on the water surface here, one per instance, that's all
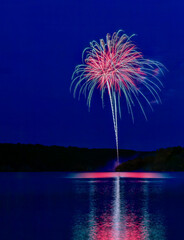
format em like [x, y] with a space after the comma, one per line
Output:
[127, 206]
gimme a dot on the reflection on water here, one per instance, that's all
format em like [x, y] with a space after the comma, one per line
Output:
[91, 206]
[123, 210]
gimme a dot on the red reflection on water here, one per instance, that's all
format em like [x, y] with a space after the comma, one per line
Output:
[130, 228]
[120, 220]
[118, 174]
[120, 223]
[134, 228]
[102, 229]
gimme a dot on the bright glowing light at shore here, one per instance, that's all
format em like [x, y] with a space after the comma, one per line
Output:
[144, 175]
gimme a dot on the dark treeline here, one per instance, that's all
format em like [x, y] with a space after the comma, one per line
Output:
[169, 159]
[28, 157]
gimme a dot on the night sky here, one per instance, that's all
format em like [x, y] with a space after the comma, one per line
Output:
[41, 42]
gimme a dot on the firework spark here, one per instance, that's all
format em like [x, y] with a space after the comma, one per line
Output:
[116, 66]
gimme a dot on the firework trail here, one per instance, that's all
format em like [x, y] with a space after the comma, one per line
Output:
[116, 66]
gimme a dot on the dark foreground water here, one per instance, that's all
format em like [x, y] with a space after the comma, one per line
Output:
[55, 206]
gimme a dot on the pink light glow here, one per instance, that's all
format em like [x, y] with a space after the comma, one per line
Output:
[118, 174]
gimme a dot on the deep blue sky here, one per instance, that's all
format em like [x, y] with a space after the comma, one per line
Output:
[42, 41]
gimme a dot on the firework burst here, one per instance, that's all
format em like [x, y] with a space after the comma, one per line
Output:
[116, 66]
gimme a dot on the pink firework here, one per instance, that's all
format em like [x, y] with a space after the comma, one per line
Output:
[118, 67]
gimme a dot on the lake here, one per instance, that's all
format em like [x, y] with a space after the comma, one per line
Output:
[104, 206]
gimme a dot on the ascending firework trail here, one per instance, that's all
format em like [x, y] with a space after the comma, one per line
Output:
[118, 67]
